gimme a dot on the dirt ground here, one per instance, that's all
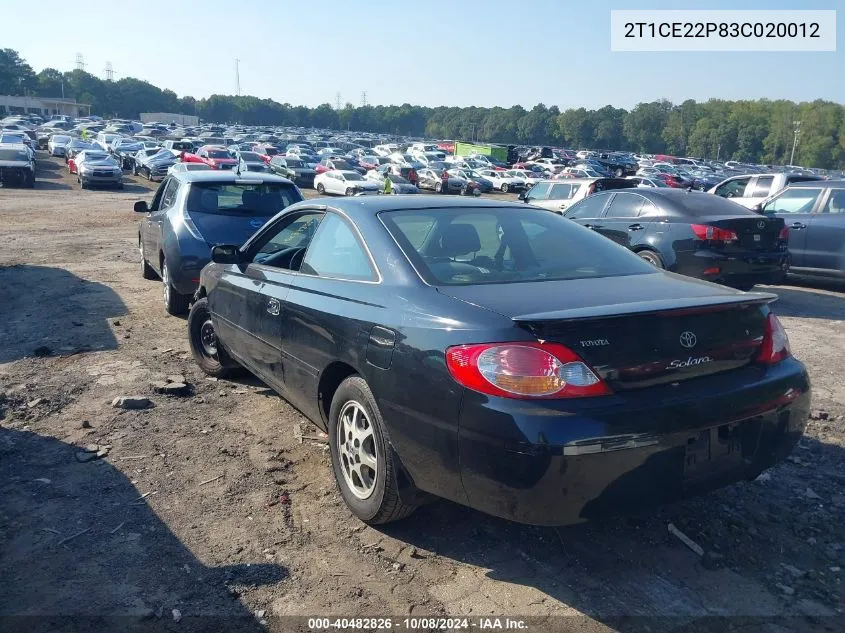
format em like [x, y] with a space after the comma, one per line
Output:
[211, 509]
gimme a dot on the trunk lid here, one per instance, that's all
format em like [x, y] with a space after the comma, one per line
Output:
[635, 331]
[754, 233]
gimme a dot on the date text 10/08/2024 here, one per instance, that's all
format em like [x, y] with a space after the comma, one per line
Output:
[425, 624]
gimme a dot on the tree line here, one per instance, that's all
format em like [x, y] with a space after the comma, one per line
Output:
[757, 131]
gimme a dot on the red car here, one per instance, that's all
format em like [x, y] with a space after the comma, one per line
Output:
[670, 180]
[214, 156]
[266, 151]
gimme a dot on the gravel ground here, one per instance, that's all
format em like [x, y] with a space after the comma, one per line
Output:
[218, 503]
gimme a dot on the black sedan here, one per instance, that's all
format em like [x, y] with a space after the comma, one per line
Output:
[692, 233]
[192, 211]
[499, 356]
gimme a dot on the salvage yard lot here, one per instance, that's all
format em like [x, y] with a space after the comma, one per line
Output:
[221, 503]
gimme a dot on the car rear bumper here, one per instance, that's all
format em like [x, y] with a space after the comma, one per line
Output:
[562, 462]
[735, 269]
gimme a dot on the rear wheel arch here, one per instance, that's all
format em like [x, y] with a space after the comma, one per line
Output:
[652, 251]
[331, 378]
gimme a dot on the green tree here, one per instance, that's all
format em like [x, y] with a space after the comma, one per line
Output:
[16, 76]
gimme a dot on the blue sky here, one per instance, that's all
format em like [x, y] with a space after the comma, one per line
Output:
[434, 52]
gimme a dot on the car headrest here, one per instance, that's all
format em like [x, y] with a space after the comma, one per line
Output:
[459, 239]
[208, 200]
[251, 200]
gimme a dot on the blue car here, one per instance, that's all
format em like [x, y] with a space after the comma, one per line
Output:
[194, 210]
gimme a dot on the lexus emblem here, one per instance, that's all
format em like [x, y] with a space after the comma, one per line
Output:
[688, 340]
[761, 224]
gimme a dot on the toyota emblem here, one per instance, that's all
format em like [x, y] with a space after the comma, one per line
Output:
[688, 340]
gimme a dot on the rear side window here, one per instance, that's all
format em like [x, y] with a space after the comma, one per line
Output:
[563, 191]
[763, 187]
[336, 252]
[835, 202]
[625, 205]
[168, 197]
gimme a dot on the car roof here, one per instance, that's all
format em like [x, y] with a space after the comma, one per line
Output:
[16, 146]
[817, 183]
[226, 176]
[372, 205]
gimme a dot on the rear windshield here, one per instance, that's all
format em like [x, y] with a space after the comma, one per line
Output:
[251, 157]
[13, 154]
[218, 153]
[465, 246]
[183, 146]
[264, 200]
[703, 204]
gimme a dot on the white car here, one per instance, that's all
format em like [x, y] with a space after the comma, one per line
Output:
[502, 181]
[551, 164]
[326, 152]
[644, 182]
[530, 177]
[344, 183]
[386, 150]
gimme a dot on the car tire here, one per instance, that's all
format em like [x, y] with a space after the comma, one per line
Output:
[149, 175]
[438, 187]
[134, 170]
[349, 191]
[652, 258]
[321, 189]
[205, 347]
[505, 187]
[174, 302]
[147, 271]
[366, 474]
[618, 173]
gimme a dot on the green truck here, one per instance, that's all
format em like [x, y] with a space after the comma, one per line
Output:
[494, 151]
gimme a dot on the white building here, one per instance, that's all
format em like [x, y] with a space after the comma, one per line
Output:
[42, 106]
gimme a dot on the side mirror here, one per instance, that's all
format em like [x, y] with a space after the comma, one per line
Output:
[522, 196]
[225, 254]
[141, 207]
[758, 208]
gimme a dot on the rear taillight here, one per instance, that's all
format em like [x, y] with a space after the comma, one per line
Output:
[775, 347]
[784, 234]
[524, 370]
[713, 233]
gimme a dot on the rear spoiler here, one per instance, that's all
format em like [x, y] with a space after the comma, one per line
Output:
[644, 307]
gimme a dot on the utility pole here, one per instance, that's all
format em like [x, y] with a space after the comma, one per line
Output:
[364, 99]
[109, 71]
[337, 100]
[797, 131]
[238, 76]
[80, 63]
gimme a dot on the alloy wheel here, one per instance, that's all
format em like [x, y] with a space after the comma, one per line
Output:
[208, 338]
[165, 278]
[356, 447]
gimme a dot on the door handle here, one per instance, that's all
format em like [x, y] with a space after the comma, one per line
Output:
[274, 307]
[635, 227]
[798, 226]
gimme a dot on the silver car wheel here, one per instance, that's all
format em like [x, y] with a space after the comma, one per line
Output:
[165, 278]
[356, 447]
[208, 339]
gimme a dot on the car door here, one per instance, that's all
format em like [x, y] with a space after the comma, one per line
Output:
[248, 303]
[330, 310]
[795, 205]
[621, 221]
[825, 247]
[153, 226]
[588, 212]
